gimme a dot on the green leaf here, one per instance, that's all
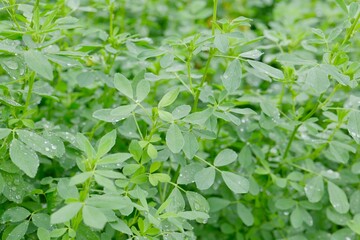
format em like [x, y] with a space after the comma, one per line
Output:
[191, 145]
[232, 76]
[177, 202]
[43, 234]
[342, 4]
[151, 151]
[40, 144]
[15, 214]
[236, 183]
[19, 231]
[338, 198]
[2, 183]
[252, 54]
[245, 214]
[354, 224]
[284, 203]
[24, 158]
[296, 218]
[65, 213]
[336, 74]
[168, 98]
[37, 62]
[205, 178]
[199, 117]
[123, 85]
[94, 217]
[142, 90]
[269, 109]
[181, 111]
[123, 112]
[188, 173]
[355, 202]
[155, 178]
[114, 158]
[192, 215]
[216, 204]
[266, 69]
[41, 220]
[4, 132]
[65, 190]
[225, 157]
[174, 138]
[317, 80]
[314, 189]
[167, 60]
[121, 226]
[197, 202]
[166, 116]
[85, 145]
[221, 42]
[106, 115]
[106, 143]
[353, 125]
[80, 178]
[105, 182]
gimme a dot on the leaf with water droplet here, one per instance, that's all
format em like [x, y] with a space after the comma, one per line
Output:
[15, 214]
[123, 85]
[24, 158]
[19, 231]
[338, 198]
[65, 213]
[252, 54]
[106, 143]
[142, 90]
[225, 157]
[205, 178]
[188, 173]
[353, 125]
[174, 139]
[266, 69]
[94, 217]
[236, 183]
[191, 145]
[221, 42]
[37, 62]
[231, 79]
[40, 144]
[314, 189]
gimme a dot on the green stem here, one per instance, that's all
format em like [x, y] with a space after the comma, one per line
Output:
[111, 22]
[293, 134]
[351, 29]
[214, 17]
[29, 93]
[207, 163]
[309, 115]
[211, 55]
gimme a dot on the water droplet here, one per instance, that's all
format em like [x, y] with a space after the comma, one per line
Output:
[12, 64]
[53, 147]
[47, 149]
[16, 181]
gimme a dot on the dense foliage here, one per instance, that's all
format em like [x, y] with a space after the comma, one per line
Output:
[176, 119]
